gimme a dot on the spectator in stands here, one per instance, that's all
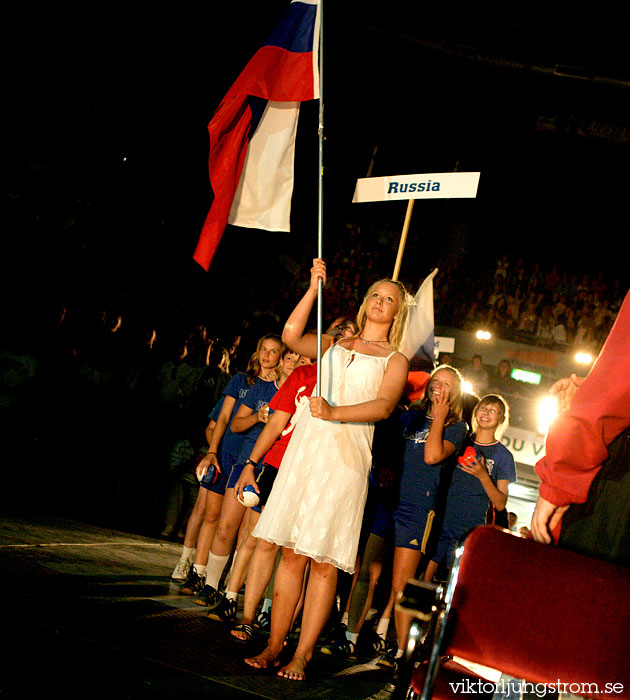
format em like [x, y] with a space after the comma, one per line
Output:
[528, 320]
[501, 381]
[477, 375]
[559, 331]
[544, 327]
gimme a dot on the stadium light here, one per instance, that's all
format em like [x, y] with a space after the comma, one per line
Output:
[467, 387]
[547, 412]
[483, 335]
[583, 358]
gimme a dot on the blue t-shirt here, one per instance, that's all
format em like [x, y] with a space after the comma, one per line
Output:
[419, 481]
[216, 411]
[467, 501]
[230, 446]
[499, 463]
[260, 395]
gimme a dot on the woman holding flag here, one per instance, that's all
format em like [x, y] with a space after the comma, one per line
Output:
[316, 506]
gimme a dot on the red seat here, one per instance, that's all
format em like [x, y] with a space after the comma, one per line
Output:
[534, 612]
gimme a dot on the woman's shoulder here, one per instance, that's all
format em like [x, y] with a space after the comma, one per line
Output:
[459, 427]
[237, 381]
[399, 356]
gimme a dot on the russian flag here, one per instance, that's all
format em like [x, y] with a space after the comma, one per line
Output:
[252, 133]
[419, 341]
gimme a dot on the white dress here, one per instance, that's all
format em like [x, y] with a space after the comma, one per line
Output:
[317, 501]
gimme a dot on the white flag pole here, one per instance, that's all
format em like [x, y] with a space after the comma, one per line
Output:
[320, 213]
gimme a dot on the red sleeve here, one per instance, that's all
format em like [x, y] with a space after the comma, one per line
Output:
[577, 443]
[284, 398]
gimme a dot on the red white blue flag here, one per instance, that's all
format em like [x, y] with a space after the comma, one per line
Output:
[419, 340]
[252, 133]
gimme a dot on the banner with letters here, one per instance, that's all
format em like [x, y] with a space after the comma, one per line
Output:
[426, 186]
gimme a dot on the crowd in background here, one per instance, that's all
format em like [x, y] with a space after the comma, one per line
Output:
[534, 304]
[102, 405]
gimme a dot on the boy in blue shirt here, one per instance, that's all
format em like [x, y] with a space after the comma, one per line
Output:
[478, 481]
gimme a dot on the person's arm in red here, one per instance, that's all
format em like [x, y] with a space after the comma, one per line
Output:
[578, 440]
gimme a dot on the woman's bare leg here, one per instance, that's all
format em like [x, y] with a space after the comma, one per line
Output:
[243, 555]
[209, 526]
[286, 593]
[232, 513]
[259, 574]
[429, 572]
[320, 595]
[196, 519]
[405, 564]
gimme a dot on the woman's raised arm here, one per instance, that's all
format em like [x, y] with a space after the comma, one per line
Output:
[293, 333]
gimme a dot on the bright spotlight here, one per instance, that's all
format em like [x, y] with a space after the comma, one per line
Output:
[583, 358]
[467, 387]
[483, 335]
[547, 412]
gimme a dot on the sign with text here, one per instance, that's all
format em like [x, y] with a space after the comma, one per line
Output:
[443, 344]
[427, 186]
[526, 446]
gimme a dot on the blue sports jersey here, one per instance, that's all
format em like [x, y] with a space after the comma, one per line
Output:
[214, 413]
[419, 481]
[467, 501]
[260, 395]
[230, 446]
[499, 463]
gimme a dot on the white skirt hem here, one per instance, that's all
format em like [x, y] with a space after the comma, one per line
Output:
[321, 559]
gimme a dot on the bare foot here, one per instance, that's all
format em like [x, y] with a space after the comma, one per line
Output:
[242, 632]
[295, 670]
[268, 657]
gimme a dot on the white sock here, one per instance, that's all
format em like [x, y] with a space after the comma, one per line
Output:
[187, 554]
[215, 567]
[400, 653]
[201, 570]
[231, 595]
[266, 606]
[352, 637]
[382, 627]
[344, 619]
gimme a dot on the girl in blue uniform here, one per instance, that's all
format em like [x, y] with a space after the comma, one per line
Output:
[261, 368]
[248, 422]
[433, 436]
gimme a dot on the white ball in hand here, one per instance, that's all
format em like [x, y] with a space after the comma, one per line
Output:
[249, 497]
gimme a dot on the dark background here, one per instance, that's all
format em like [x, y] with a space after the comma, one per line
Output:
[105, 141]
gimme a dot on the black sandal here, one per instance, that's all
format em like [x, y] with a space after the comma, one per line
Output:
[248, 629]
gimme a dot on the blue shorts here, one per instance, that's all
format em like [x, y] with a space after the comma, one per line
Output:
[265, 476]
[445, 548]
[220, 484]
[383, 524]
[460, 519]
[235, 474]
[412, 526]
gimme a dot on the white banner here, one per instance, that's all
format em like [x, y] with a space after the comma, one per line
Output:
[427, 186]
[526, 446]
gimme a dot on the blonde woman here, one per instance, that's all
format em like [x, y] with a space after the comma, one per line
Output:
[433, 435]
[316, 506]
